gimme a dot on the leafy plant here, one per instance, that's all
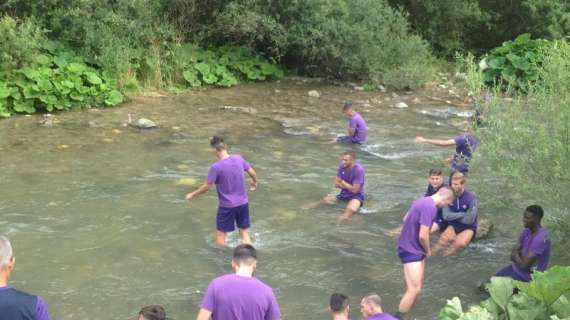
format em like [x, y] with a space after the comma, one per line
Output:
[541, 299]
[516, 63]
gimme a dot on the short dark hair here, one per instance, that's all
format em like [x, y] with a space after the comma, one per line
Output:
[153, 312]
[244, 253]
[218, 143]
[435, 172]
[536, 210]
[338, 302]
[350, 153]
[347, 106]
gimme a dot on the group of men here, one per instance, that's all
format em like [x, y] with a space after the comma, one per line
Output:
[449, 209]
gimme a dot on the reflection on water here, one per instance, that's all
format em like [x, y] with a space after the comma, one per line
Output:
[100, 227]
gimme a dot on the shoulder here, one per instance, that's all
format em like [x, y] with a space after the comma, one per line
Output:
[359, 167]
[263, 286]
[470, 195]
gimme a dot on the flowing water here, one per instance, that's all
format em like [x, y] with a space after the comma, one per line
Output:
[97, 216]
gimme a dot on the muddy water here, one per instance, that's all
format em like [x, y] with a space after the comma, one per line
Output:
[97, 216]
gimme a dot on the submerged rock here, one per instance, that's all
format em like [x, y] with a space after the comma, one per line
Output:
[484, 228]
[314, 94]
[239, 109]
[143, 123]
[47, 120]
[381, 88]
[416, 100]
[401, 105]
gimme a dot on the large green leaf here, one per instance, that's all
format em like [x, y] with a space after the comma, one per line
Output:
[114, 98]
[26, 105]
[492, 307]
[192, 77]
[477, 313]
[4, 90]
[452, 310]
[523, 307]
[547, 286]
[562, 306]
[93, 78]
[76, 68]
[501, 290]
[42, 59]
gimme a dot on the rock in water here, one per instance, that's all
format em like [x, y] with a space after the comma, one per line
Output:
[401, 105]
[143, 123]
[186, 182]
[484, 228]
[314, 94]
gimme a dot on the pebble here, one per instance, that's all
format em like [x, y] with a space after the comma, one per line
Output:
[314, 94]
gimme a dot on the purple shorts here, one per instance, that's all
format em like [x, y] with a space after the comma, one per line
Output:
[358, 196]
[510, 272]
[407, 257]
[227, 218]
[346, 139]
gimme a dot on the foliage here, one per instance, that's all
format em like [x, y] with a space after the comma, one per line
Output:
[516, 63]
[20, 42]
[225, 66]
[542, 299]
[55, 80]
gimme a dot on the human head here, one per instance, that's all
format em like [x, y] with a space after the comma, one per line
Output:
[152, 312]
[244, 255]
[370, 305]
[532, 216]
[7, 259]
[348, 158]
[218, 144]
[443, 197]
[339, 304]
[347, 109]
[435, 178]
[457, 183]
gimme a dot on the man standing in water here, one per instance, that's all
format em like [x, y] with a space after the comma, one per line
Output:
[465, 145]
[357, 130]
[240, 296]
[15, 304]
[350, 180]
[459, 218]
[228, 175]
[371, 308]
[414, 244]
[532, 248]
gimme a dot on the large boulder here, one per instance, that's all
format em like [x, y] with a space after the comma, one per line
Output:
[143, 123]
[484, 228]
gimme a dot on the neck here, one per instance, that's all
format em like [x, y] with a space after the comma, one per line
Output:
[3, 278]
[535, 228]
[378, 310]
[340, 316]
[244, 271]
[223, 154]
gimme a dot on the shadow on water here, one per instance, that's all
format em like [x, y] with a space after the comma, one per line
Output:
[97, 215]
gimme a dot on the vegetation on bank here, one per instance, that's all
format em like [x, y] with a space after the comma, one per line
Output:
[546, 297]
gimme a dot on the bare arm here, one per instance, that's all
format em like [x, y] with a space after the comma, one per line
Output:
[424, 239]
[203, 188]
[351, 131]
[350, 187]
[253, 175]
[524, 263]
[437, 142]
[204, 314]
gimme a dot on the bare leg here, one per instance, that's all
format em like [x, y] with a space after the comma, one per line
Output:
[461, 240]
[326, 200]
[351, 207]
[434, 228]
[220, 238]
[414, 275]
[244, 235]
[332, 141]
[444, 240]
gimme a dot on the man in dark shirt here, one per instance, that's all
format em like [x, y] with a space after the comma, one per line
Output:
[15, 304]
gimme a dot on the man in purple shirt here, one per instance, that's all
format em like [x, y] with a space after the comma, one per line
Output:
[15, 304]
[339, 306]
[357, 129]
[350, 180]
[414, 244]
[240, 296]
[228, 175]
[371, 308]
[465, 145]
[460, 218]
[532, 249]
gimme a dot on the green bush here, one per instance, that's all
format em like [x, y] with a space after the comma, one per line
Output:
[515, 64]
[20, 42]
[55, 80]
[544, 298]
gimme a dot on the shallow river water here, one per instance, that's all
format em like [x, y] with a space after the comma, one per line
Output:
[97, 216]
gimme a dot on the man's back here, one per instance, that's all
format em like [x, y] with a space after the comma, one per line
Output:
[18, 305]
[233, 297]
[228, 175]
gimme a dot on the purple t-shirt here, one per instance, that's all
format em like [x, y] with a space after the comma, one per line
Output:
[354, 175]
[228, 175]
[357, 123]
[381, 316]
[539, 244]
[422, 212]
[41, 307]
[233, 297]
[465, 144]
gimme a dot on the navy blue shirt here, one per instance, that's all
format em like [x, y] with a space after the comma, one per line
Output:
[18, 305]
